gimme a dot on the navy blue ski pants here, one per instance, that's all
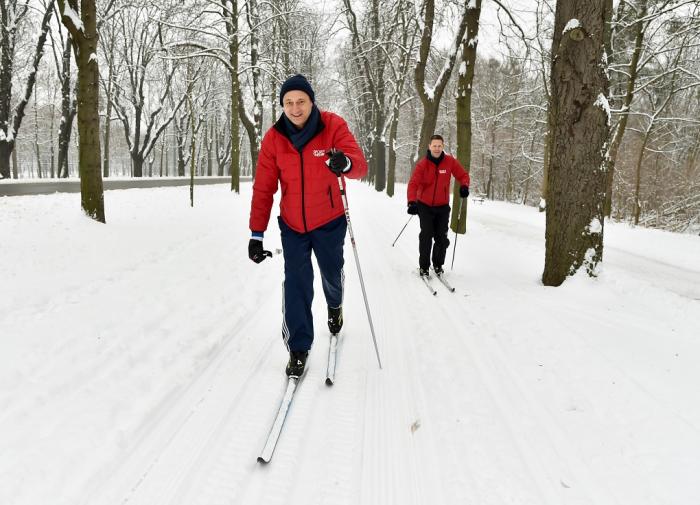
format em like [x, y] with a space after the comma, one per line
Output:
[326, 243]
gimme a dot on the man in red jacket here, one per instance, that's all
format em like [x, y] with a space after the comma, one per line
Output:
[305, 152]
[429, 197]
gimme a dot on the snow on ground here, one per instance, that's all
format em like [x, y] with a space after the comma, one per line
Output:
[141, 362]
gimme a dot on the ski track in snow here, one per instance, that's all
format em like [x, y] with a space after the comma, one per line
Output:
[504, 392]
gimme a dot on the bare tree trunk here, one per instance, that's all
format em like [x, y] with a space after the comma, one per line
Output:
[68, 110]
[492, 159]
[637, 210]
[253, 21]
[231, 15]
[458, 222]
[37, 150]
[180, 137]
[208, 134]
[10, 121]
[15, 165]
[526, 192]
[619, 132]
[85, 45]
[430, 98]
[391, 169]
[108, 111]
[193, 141]
[163, 158]
[580, 128]
[51, 146]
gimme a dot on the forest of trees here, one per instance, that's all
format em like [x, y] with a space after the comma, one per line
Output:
[190, 86]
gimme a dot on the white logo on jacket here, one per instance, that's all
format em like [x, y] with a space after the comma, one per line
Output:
[443, 171]
[319, 152]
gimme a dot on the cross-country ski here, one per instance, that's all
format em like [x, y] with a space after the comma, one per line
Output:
[278, 423]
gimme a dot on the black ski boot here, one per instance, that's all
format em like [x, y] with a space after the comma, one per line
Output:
[438, 271]
[297, 363]
[424, 272]
[335, 319]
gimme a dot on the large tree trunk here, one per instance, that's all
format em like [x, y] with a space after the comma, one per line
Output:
[458, 222]
[85, 45]
[580, 129]
[136, 164]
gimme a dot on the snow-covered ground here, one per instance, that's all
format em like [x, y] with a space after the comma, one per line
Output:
[141, 362]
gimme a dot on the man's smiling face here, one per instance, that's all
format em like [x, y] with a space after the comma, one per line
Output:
[297, 107]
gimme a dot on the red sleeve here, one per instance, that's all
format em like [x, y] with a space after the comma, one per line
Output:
[344, 140]
[415, 182]
[459, 173]
[265, 185]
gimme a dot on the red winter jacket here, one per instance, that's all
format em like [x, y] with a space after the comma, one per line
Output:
[430, 183]
[310, 191]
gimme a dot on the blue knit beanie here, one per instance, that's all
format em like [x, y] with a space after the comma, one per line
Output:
[296, 82]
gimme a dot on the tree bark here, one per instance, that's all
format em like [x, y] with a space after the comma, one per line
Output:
[458, 222]
[85, 40]
[580, 129]
[231, 15]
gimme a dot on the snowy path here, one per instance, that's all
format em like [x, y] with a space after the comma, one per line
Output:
[144, 363]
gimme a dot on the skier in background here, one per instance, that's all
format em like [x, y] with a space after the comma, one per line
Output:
[305, 152]
[429, 197]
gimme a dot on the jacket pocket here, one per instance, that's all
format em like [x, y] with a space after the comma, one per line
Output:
[330, 196]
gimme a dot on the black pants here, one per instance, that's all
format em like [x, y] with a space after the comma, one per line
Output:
[434, 222]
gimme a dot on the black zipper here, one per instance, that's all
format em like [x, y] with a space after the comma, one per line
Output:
[436, 184]
[303, 206]
[330, 197]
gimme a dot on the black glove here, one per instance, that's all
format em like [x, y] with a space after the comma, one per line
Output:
[464, 191]
[337, 163]
[412, 208]
[256, 251]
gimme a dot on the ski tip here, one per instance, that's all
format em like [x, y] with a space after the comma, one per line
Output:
[329, 381]
[434, 293]
[262, 460]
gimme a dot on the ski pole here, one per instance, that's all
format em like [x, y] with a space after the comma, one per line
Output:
[402, 229]
[357, 262]
[459, 217]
